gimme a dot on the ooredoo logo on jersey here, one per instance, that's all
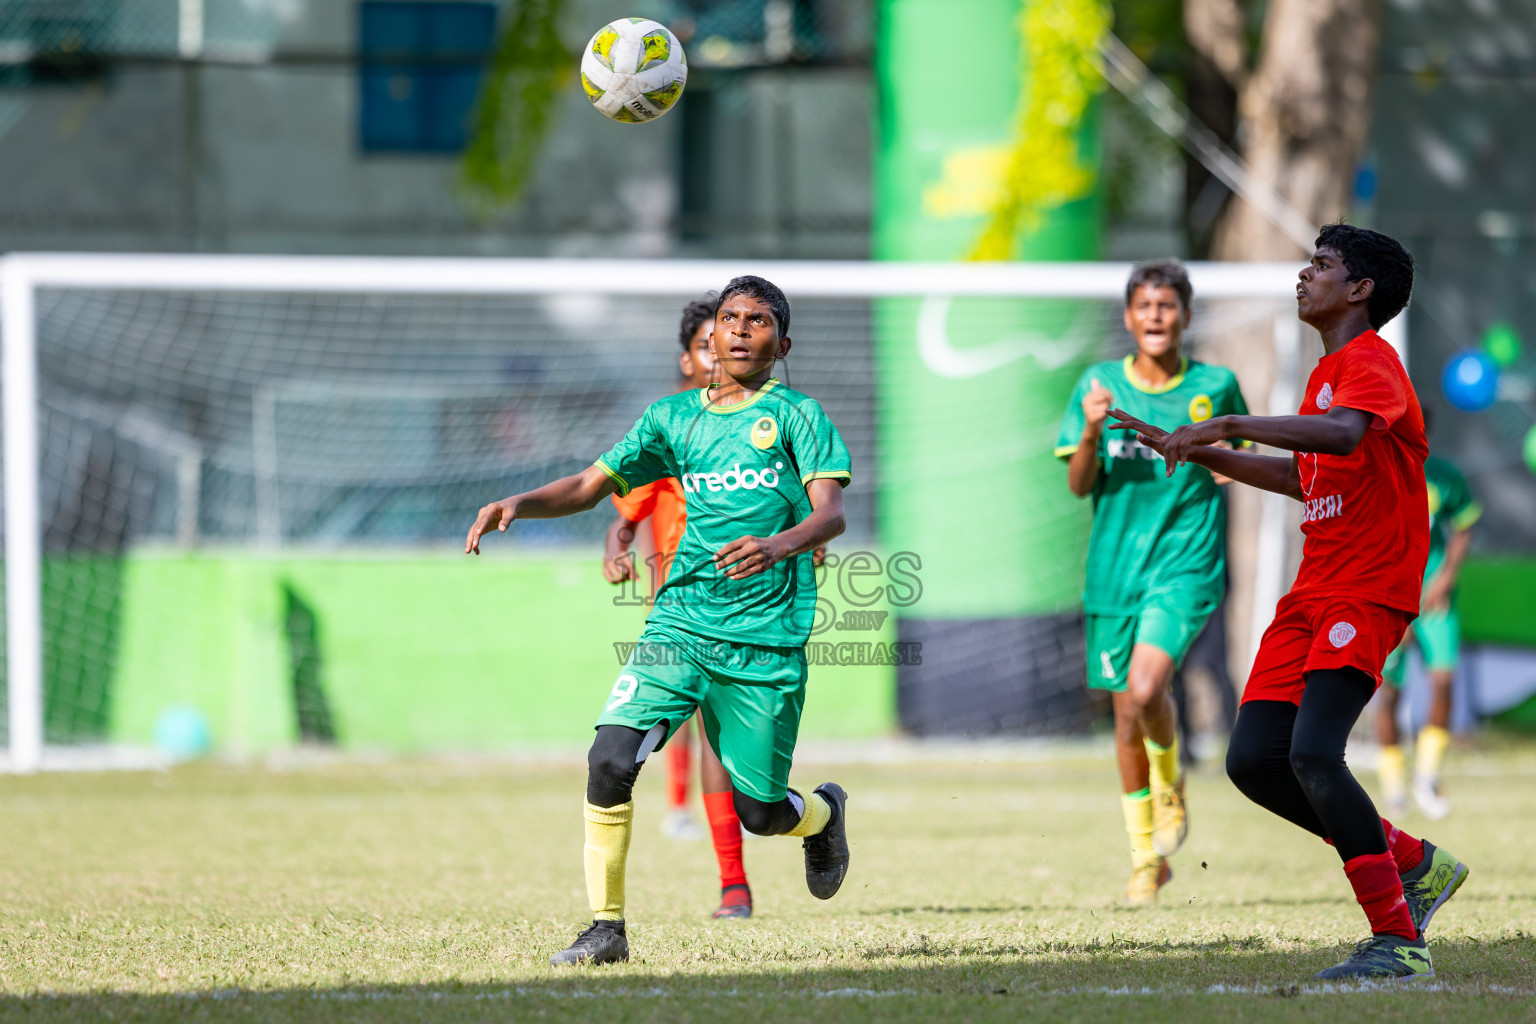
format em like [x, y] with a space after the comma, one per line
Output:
[733, 479]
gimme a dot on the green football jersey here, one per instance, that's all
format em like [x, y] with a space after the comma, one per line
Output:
[1451, 508]
[1150, 529]
[744, 470]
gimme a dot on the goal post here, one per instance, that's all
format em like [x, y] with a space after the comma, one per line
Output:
[200, 296]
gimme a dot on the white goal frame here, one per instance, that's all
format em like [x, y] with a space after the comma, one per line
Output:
[22, 274]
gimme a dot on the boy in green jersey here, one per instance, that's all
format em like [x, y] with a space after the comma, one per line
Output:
[762, 469]
[1156, 557]
[1437, 631]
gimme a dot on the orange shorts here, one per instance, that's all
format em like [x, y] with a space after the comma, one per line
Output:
[1314, 632]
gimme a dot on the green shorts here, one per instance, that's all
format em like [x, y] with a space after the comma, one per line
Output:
[750, 696]
[1169, 620]
[1439, 639]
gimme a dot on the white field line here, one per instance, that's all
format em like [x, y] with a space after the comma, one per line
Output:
[892, 750]
[118, 757]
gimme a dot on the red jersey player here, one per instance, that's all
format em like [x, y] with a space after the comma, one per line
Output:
[1358, 468]
[665, 505]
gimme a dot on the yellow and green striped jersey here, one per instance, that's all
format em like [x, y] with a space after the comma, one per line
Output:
[1150, 530]
[744, 470]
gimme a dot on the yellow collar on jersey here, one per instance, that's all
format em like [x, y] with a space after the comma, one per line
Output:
[1156, 389]
[713, 406]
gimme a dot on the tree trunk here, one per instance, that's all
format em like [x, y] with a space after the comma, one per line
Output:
[1305, 115]
[1215, 69]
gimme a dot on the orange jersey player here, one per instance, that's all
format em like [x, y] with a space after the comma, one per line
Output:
[666, 507]
[663, 504]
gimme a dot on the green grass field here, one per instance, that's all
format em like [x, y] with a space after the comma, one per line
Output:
[984, 886]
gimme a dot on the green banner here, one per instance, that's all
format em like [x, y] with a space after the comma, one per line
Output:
[971, 390]
[402, 652]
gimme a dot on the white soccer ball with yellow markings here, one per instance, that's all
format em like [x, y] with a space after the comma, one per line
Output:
[634, 70]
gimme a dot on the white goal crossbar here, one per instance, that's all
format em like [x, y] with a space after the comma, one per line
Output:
[23, 274]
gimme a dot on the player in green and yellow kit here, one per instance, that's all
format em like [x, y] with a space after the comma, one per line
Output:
[1157, 554]
[1437, 631]
[762, 468]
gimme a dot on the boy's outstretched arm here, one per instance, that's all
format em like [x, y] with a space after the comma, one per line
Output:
[1265, 472]
[1262, 471]
[563, 497]
[748, 556]
[1336, 432]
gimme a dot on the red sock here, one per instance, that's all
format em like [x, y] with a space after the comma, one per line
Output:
[677, 769]
[1406, 850]
[1379, 892]
[725, 829]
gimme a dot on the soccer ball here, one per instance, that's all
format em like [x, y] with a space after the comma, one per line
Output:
[633, 70]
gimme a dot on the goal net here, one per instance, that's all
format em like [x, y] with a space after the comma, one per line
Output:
[234, 487]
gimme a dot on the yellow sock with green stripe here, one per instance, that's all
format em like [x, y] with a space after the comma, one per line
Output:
[1138, 824]
[603, 856]
[815, 816]
[1430, 751]
[1391, 767]
[1164, 762]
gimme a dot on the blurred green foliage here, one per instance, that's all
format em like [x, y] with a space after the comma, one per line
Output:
[1154, 30]
[517, 101]
[1058, 40]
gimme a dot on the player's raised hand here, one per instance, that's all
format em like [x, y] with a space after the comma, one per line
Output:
[1152, 437]
[1096, 404]
[1146, 433]
[748, 556]
[1178, 445]
[498, 515]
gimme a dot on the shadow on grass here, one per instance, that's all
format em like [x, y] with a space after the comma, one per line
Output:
[1495, 981]
[962, 910]
[1109, 905]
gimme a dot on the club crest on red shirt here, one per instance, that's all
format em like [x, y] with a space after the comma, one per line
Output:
[1325, 396]
[1341, 634]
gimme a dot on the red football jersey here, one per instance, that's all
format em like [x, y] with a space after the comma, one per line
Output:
[1366, 532]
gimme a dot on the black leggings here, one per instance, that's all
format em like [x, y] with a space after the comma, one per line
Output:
[613, 765]
[1290, 760]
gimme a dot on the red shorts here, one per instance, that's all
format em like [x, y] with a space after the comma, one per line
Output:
[1316, 632]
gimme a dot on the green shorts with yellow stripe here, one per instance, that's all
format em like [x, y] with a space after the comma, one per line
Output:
[1169, 619]
[750, 698]
[1438, 635]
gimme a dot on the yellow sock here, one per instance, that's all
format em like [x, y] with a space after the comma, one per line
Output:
[1138, 824]
[1430, 751]
[1164, 762]
[603, 856]
[817, 813]
[1394, 776]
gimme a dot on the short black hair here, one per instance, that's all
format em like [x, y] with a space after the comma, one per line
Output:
[1160, 274]
[1381, 258]
[764, 291]
[699, 311]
